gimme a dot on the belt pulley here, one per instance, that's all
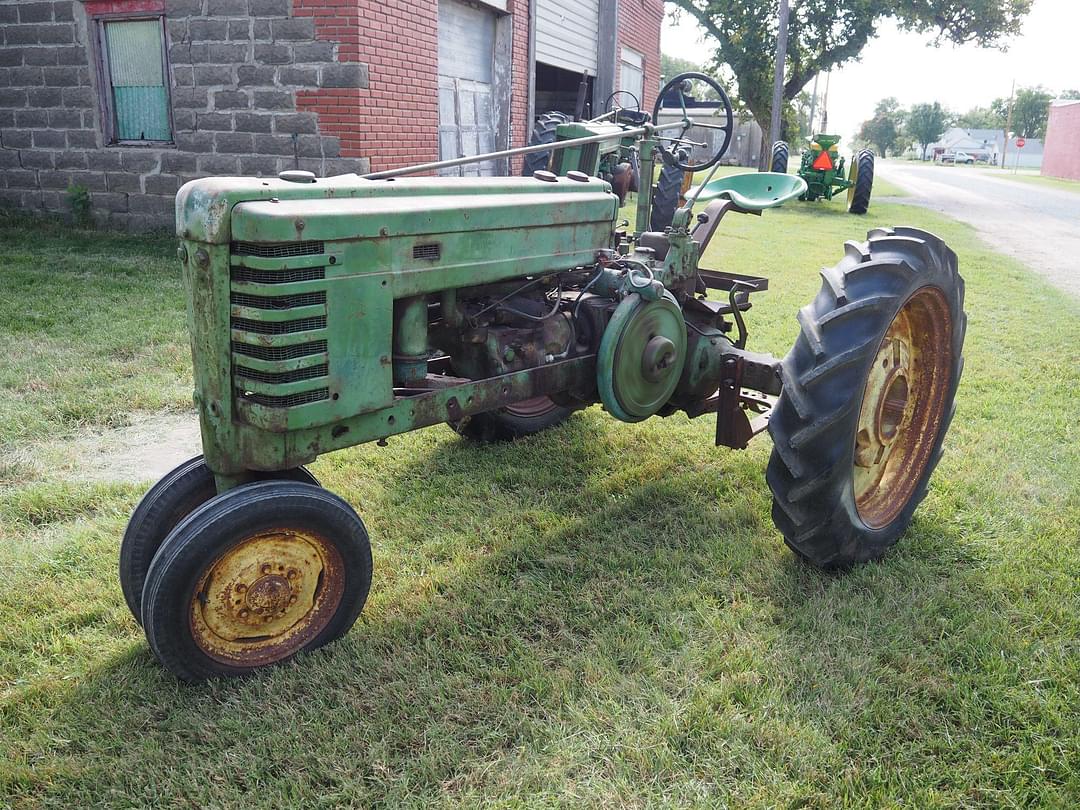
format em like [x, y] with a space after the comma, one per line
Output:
[641, 356]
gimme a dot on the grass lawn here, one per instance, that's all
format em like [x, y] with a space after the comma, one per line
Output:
[1060, 183]
[602, 615]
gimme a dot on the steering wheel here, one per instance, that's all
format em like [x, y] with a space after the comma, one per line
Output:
[682, 89]
[616, 94]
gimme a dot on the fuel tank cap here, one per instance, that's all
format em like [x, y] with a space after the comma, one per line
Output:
[297, 176]
[546, 176]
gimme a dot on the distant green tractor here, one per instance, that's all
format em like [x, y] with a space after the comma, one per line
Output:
[823, 171]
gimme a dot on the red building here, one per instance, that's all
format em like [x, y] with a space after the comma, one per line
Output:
[129, 99]
[1061, 151]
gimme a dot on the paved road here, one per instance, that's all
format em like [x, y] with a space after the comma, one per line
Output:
[1039, 226]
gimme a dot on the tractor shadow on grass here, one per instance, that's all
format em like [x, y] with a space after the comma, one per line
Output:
[525, 621]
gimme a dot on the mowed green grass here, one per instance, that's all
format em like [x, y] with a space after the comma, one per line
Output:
[602, 615]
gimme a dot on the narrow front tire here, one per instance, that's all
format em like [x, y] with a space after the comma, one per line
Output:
[253, 577]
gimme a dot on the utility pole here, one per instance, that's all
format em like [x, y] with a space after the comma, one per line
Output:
[1008, 124]
[813, 105]
[778, 81]
[825, 104]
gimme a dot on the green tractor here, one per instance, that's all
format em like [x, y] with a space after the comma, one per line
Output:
[329, 312]
[823, 170]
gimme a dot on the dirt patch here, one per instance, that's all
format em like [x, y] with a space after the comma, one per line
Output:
[144, 450]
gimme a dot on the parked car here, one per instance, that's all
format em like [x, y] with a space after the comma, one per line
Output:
[957, 157]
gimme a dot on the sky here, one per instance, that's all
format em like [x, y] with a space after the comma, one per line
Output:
[899, 64]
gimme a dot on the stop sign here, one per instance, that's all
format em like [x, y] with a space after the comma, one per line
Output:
[1020, 143]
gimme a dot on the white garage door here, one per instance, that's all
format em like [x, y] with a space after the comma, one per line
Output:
[567, 34]
[466, 105]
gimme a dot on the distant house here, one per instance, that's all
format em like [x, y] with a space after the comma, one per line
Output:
[1062, 158]
[989, 145]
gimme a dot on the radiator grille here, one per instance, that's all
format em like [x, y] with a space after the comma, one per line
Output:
[279, 327]
[274, 377]
[278, 301]
[285, 276]
[296, 307]
[278, 250]
[279, 352]
[286, 401]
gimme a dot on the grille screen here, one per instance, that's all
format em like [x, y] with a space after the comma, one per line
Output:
[278, 276]
[279, 327]
[282, 376]
[286, 401]
[425, 251]
[278, 301]
[277, 251]
[279, 352]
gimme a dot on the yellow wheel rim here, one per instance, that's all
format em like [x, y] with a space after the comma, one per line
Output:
[903, 405]
[853, 178]
[266, 597]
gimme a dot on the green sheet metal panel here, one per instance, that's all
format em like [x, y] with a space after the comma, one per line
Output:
[140, 97]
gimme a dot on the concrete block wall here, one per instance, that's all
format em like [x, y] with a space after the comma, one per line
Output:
[251, 80]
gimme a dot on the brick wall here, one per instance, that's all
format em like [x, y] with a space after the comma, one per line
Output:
[252, 89]
[1061, 149]
[520, 125]
[399, 109]
[639, 28]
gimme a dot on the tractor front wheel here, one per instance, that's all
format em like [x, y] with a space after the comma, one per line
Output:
[253, 577]
[867, 399]
[779, 160]
[861, 177]
[178, 494]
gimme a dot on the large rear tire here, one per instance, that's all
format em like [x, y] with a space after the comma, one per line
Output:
[665, 198]
[514, 422]
[779, 160]
[544, 131]
[868, 397]
[862, 175]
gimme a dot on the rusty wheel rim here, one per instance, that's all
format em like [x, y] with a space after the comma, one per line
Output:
[534, 406]
[267, 597]
[903, 405]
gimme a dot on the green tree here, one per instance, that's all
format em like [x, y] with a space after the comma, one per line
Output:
[926, 123]
[981, 118]
[672, 66]
[1070, 94]
[883, 130]
[1031, 108]
[823, 34]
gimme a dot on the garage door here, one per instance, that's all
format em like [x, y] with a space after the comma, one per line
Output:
[566, 34]
[466, 103]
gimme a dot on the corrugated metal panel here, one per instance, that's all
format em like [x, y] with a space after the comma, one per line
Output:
[466, 41]
[140, 97]
[466, 59]
[567, 34]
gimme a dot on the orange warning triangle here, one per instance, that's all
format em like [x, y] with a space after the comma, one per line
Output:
[823, 162]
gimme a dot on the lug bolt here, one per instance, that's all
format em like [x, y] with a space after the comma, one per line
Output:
[240, 587]
[243, 613]
[293, 573]
[292, 600]
[266, 568]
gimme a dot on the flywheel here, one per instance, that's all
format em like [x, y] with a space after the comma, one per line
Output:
[641, 356]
